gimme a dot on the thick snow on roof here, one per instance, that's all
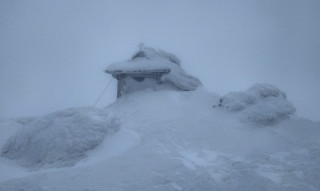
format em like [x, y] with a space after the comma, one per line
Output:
[147, 59]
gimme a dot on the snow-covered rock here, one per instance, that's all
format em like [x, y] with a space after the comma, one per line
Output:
[262, 104]
[266, 90]
[237, 101]
[59, 139]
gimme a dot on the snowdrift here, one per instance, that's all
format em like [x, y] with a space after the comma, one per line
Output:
[262, 104]
[183, 144]
[59, 139]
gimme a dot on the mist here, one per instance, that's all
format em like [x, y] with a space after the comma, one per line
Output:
[53, 53]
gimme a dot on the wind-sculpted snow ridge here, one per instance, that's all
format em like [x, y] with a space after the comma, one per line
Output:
[261, 104]
[59, 139]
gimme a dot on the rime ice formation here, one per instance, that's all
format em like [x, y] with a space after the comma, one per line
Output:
[262, 104]
[168, 140]
[148, 60]
[59, 139]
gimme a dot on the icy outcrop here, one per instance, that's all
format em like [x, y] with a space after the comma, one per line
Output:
[237, 101]
[153, 59]
[262, 104]
[59, 139]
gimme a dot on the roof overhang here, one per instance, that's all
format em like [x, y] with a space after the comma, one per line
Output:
[155, 73]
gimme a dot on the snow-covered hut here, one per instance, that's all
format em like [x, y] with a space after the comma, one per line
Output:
[153, 69]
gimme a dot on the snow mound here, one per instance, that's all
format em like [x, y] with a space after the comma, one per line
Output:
[262, 104]
[59, 139]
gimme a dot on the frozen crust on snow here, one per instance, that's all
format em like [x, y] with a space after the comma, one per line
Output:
[59, 139]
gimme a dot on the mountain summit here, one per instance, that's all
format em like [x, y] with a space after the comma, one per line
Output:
[165, 140]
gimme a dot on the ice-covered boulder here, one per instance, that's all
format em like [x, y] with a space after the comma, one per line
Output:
[59, 139]
[237, 101]
[262, 104]
[266, 90]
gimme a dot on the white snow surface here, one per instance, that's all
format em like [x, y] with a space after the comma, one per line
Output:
[148, 58]
[176, 140]
[261, 104]
[59, 139]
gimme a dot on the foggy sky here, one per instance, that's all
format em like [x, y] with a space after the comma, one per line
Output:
[53, 53]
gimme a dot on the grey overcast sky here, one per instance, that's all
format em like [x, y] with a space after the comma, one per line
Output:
[53, 53]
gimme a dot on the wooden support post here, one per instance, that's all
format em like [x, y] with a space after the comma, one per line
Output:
[119, 88]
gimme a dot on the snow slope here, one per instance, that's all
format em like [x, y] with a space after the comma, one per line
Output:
[177, 140]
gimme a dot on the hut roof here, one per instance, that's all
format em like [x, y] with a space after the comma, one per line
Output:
[157, 73]
[149, 60]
